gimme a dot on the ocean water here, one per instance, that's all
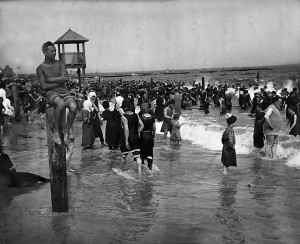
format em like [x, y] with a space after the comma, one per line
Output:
[186, 199]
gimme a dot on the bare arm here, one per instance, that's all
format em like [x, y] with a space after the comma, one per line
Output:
[165, 113]
[126, 130]
[33, 98]
[42, 80]
[153, 128]
[141, 125]
[295, 121]
[119, 109]
[64, 77]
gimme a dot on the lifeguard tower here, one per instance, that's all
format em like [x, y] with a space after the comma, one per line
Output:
[73, 60]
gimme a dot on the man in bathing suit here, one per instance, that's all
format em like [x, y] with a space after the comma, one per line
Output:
[53, 76]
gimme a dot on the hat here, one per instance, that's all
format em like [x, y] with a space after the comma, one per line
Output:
[230, 118]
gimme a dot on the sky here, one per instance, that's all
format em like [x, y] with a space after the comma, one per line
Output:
[136, 35]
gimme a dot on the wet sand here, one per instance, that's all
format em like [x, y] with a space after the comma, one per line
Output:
[186, 200]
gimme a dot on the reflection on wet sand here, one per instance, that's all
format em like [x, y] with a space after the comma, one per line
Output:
[187, 200]
[139, 209]
[266, 182]
[228, 214]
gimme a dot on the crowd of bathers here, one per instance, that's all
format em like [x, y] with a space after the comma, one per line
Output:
[157, 98]
[30, 96]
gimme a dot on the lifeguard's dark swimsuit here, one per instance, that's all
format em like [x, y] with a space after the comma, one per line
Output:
[61, 91]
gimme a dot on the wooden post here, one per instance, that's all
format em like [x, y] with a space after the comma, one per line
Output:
[203, 83]
[79, 77]
[83, 68]
[83, 50]
[83, 77]
[59, 53]
[57, 164]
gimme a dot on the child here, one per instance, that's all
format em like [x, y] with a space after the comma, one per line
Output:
[228, 141]
[175, 134]
[9, 111]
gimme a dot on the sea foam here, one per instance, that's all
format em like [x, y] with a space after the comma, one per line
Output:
[208, 134]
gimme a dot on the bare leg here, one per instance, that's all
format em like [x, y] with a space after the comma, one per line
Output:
[268, 151]
[28, 116]
[72, 107]
[59, 107]
[224, 170]
[1, 129]
[123, 162]
[139, 164]
[165, 135]
[70, 150]
[274, 151]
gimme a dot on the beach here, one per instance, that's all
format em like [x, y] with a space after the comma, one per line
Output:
[186, 199]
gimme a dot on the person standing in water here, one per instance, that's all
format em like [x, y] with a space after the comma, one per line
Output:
[112, 127]
[97, 123]
[292, 122]
[147, 134]
[258, 134]
[88, 135]
[131, 127]
[175, 134]
[177, 100]
[168, 116]
[228, 140]
[272, 126]
[53, 76]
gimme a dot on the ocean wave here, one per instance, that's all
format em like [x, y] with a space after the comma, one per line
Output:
[208, 134]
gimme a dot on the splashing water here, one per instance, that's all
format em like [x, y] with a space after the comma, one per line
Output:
[294, 161]
[270, 87]
[207, 133]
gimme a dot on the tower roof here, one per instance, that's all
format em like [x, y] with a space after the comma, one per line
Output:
[71, 37]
